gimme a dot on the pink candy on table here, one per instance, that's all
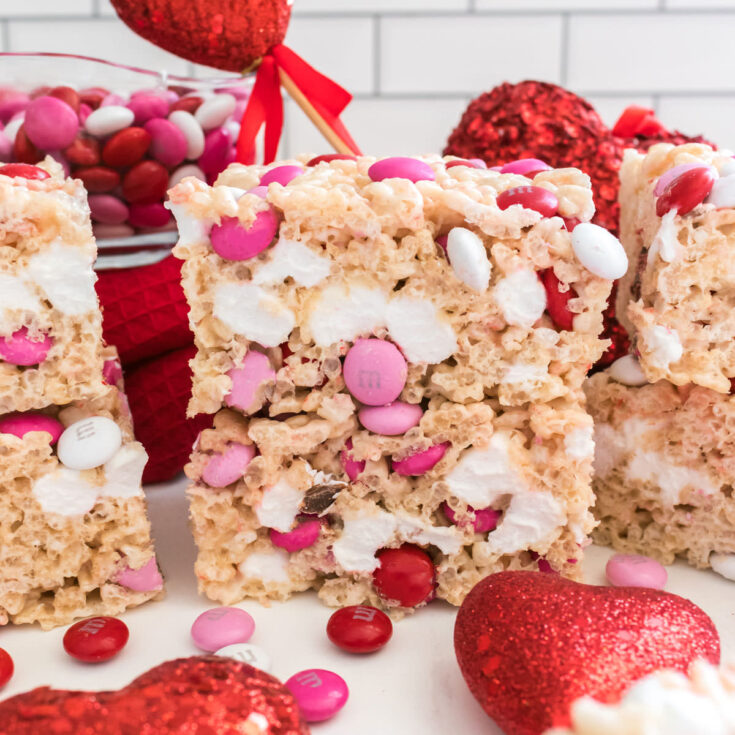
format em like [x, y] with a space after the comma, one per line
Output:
[486, 519]
[281, 175]
[20, 424]
[400, 167]
[168, 143]
[634, 570]
[50, 123]
[222, 626]
[107, 209]
[536, 198]
[375, 371]
[392, 419]
[254, 372]
[420, 462]
[305, 534]
[232, 241]
[319, 693]
[224, 469]
[145, 579]
[525, 166]
[352, 467]
[23, 350]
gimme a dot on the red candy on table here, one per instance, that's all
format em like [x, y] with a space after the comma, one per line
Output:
[98, 179]
[6, 667]
[406, 575]
[686, 191]
[96, 639]
[557, 301]
[537, 198]
[126, 147]
[145, 182]
[23, 171]
[359, 629]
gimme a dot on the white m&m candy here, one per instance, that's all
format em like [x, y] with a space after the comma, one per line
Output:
[599, 251]
[468, 258]
[89, 443]
[247, 653]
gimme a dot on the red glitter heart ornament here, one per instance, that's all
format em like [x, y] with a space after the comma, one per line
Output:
[225, 34]
[206, 695]
[530, 644]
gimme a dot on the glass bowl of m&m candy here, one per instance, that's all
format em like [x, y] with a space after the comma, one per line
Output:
[129, 134]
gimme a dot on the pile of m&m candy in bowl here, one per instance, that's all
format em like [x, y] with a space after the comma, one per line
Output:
[128, 142]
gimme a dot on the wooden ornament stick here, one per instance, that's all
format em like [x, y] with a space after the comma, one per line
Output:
[298, 97]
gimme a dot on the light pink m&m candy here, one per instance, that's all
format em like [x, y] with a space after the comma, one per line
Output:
[634, 570]
[319, 693]
[281, 175]
[400, 167]
[168, 143]
[421, 462]
[304, 535]
[375, 371]
[50, 123]
[146, 106]
[145, 579]
[351, 466]
[20, 424]
[254, 371]
[525, 166]
[469, 162]
[232, 241]
[392, 419]
[20, 349]
[222, 626]
[107, 209]
[224, 469]
[485, 519]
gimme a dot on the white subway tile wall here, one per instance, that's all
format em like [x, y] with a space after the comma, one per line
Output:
[413, 65]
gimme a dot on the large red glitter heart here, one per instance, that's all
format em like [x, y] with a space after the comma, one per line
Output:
[202, 695]
[529, 644]
[226, 34]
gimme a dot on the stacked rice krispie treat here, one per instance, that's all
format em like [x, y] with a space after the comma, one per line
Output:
[74, 535]
[395, 351]
[664, 417]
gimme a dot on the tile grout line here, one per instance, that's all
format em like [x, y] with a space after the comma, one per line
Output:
[377, 49]
[564, 55]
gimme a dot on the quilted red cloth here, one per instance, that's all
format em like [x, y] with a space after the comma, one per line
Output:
[158, 391]
[145, 312]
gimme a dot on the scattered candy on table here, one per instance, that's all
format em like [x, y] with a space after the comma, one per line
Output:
[222, 626]
[319, 693]
[635, 570]
[248, 653]
[97, 639]
[359, 629]
[6, 667]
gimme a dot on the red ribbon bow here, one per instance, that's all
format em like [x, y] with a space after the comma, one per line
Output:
[265, 106]
[635, 121]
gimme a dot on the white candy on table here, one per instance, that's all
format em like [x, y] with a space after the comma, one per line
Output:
[247, 653]
[468, 258]
[723, 564]
[89, 443]
[599, 251]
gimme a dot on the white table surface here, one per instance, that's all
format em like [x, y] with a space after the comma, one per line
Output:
[411, 687]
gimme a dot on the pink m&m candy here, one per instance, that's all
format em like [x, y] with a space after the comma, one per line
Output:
[107, 209]
[400, 167]
[146, 106]
[375, 371]
[222, 626]
[281, 175]
[525, 166]
[392, 419]
[421, 462]
[20, 349]
[145, 579]
[224, 469]
[359, 629]
[20, 424]
[168, 143]
[216, 148]
[352, 467]
[319, 693]
[485, 520]
[668, 176]
[304, 535]
[686, 191]
[634, 570]
[50, 123]
[536, 198]
[232, 241]
[247, 379]
[96, 639]
[6, 667]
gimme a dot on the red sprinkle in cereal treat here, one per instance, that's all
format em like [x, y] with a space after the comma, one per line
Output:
[380, 394]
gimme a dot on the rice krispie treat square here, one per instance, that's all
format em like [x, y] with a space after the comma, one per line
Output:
[279, 506]
[74, 535]
[473, 274]
[664, 469]
[677, 301]
[50, 322]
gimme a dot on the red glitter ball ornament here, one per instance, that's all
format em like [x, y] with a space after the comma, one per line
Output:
[530, 644]
[225, 34]
[202, 694]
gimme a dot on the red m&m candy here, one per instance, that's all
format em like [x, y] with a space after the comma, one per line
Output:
[23, 171]
[6, 667]
[359, 629]
[537, 198]
[686, 191]
[557, 301]
[327, 157]
[96, 639]
[406, 575]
